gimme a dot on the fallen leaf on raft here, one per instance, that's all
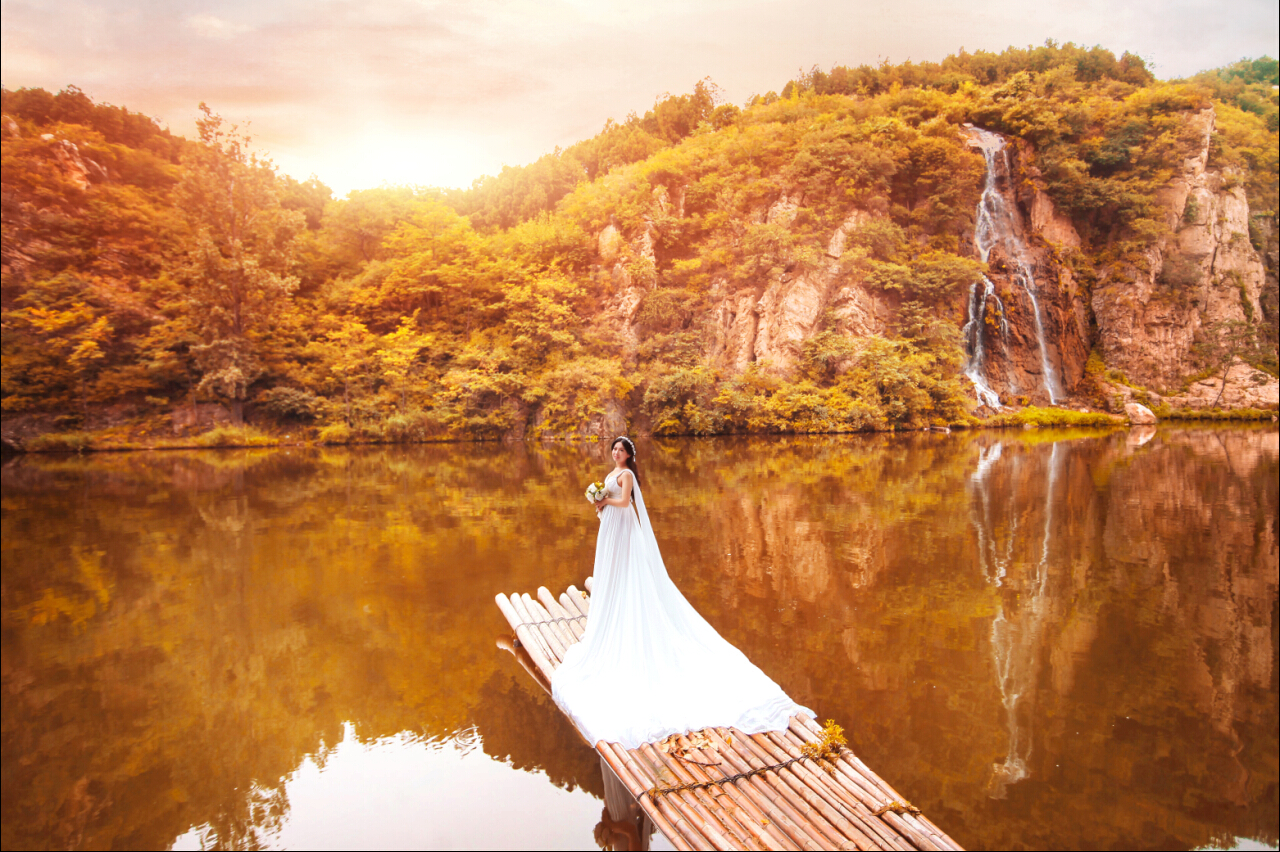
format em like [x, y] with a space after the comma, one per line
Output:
[698, 743]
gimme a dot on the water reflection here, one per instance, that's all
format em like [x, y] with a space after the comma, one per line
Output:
[623, 826]
[1048, 639]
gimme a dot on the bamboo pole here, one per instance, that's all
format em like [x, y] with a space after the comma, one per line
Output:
[544, 644]
[781, 827]
[803, 813]
[749, 813]
[685, 803]
[705, 801]
[559, 633]
[854, 819]
[589, 583]
[531, 633]
[579, 626]
[572, 627]
[678, 817]
[507, 612]
[850, 801]
[659, 819]
[754, 789]
[530, 644]
[853, 798]
[774, 802]
[867, 787]
[517, 650]
[549, 630]
[573, 601]
[817, 813]
[581, 600]
[918, 836]
[920, 822]
[824, 792]
[553, 650]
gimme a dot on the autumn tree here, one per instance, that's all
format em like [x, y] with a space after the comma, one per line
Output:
[397, 355]
[236, 273]
[65, 340]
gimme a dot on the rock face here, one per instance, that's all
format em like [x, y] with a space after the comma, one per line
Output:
[765, 322]
[770, 323]
[1245, 388]
[1203, 272]
[1030, 325]
[193, 419]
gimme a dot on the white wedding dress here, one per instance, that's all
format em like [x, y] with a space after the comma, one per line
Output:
[648, 664]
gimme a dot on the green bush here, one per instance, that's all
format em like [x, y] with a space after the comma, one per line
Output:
[336, 433]
[234, 436]
[408, 426]
[1218, 414]
[292, 403]
[1042, 417]
[60, 442]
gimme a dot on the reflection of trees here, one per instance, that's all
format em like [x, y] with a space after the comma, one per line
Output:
[199, 629]
[522, 726]
[209, 619]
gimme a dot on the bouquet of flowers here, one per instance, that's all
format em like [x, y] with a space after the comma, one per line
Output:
[595, 492]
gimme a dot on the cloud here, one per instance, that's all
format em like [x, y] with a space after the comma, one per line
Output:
[211, 27]
[440, 92]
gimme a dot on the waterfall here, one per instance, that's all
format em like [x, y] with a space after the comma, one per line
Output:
[973, 331]
[998, 225]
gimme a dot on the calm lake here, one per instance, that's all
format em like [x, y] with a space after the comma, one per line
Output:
[1044, 639]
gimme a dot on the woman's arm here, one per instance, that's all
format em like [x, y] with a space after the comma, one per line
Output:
[624, 483]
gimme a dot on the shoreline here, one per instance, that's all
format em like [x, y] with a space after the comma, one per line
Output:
[251, 437]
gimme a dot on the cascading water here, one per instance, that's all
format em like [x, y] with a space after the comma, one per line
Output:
[998, 225]
[973, 332]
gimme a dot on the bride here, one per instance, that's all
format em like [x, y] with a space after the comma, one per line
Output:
[649, 665]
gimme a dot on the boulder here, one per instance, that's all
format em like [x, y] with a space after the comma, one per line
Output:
[1139, 415]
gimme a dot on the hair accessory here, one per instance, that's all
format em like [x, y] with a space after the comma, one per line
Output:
[630, 446]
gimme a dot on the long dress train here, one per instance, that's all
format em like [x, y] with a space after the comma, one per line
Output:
[648, 664]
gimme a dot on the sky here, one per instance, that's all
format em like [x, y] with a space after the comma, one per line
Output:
[362, 93]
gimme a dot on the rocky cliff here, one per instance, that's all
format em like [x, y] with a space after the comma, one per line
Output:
[1031, 325]
[1203, 271]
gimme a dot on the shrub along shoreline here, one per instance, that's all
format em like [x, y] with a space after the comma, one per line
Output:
[246, 436]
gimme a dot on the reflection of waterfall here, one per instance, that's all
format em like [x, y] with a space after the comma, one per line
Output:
[1016, 636]
[998, 226]
[994, 561]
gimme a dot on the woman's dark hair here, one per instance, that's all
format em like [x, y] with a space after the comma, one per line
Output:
[631, 455]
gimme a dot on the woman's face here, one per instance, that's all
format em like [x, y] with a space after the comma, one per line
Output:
[620, 454]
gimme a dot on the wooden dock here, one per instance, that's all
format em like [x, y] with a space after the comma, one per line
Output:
[722, 789]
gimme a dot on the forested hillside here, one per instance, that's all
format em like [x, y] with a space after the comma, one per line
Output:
[806, 262]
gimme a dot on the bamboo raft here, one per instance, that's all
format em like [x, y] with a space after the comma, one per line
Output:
[720, 788]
